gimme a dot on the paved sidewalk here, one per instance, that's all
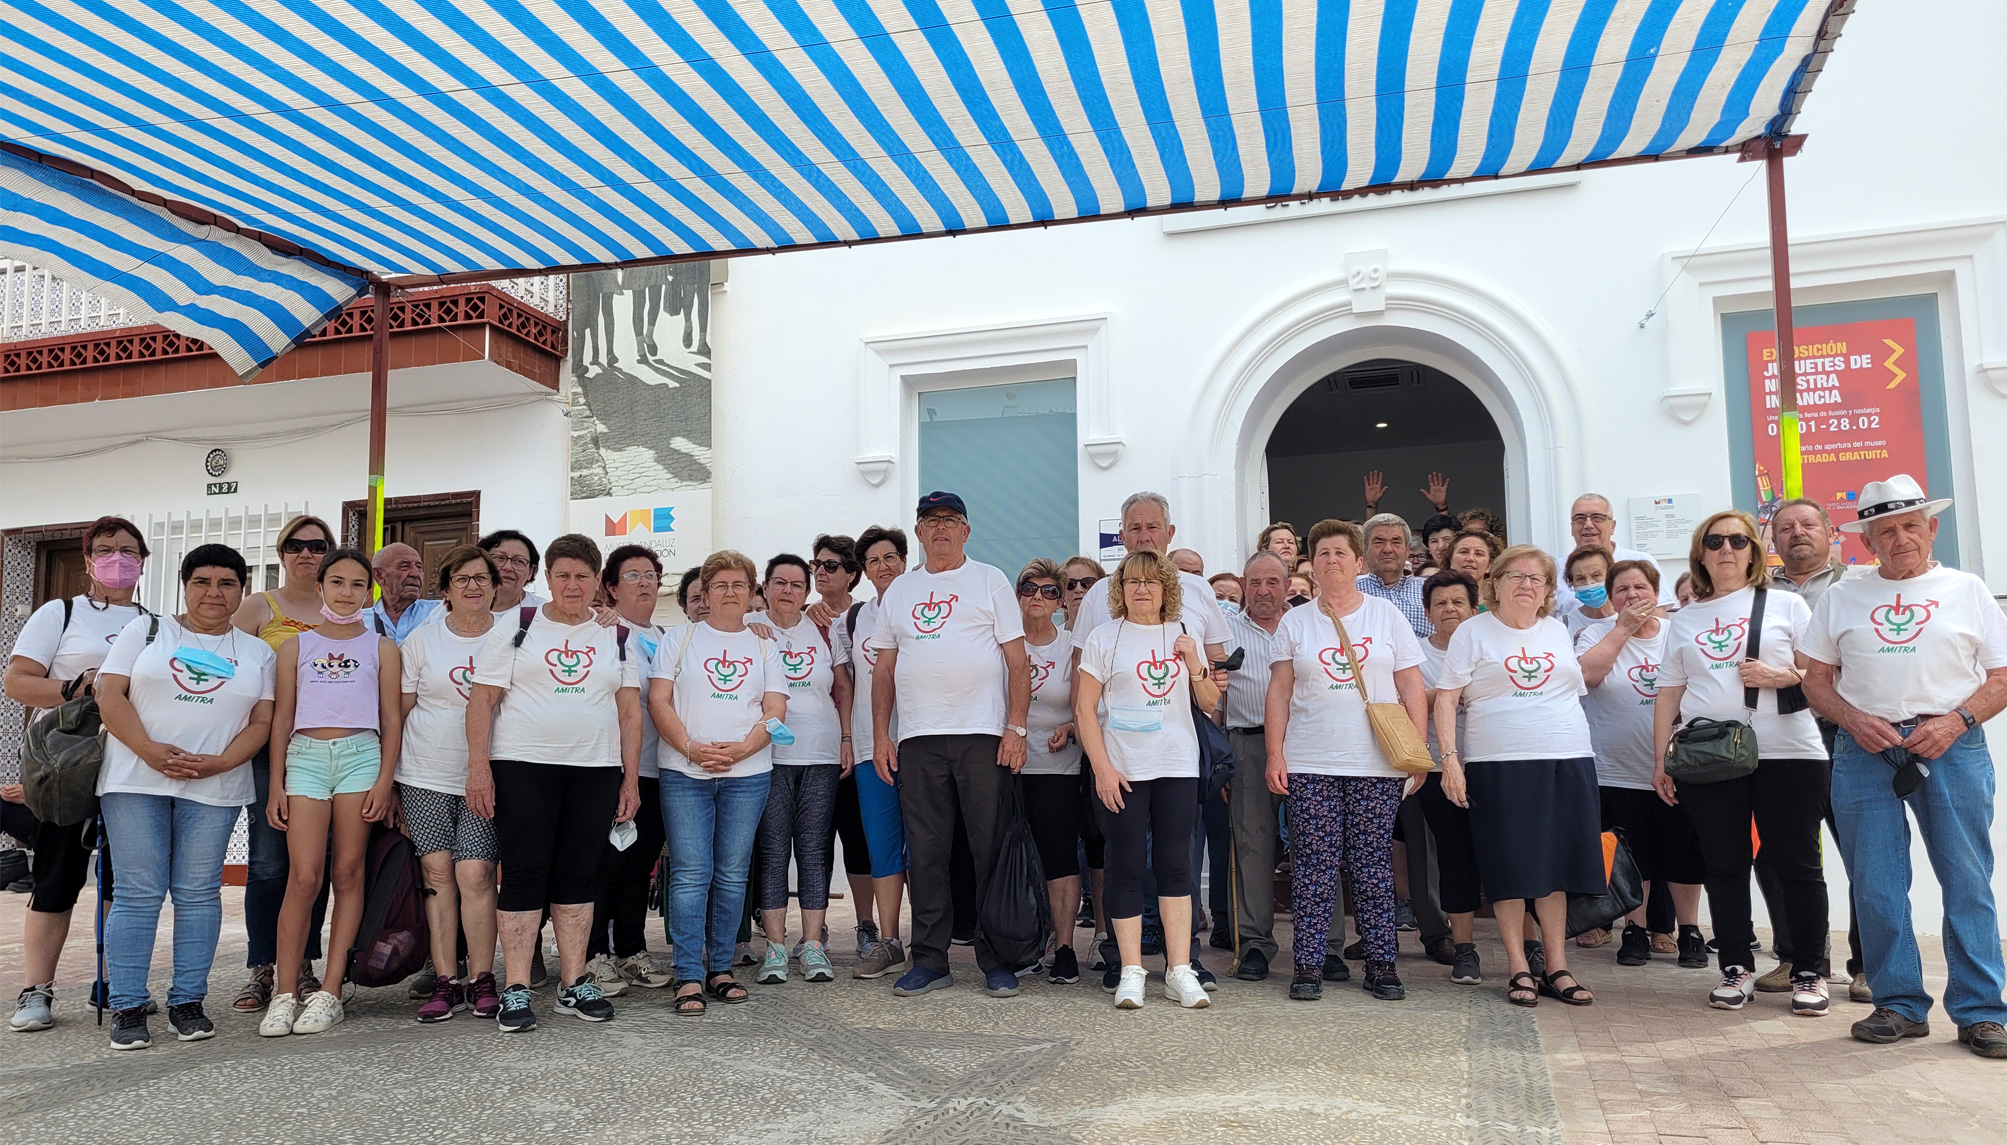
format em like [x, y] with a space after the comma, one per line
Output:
[846, 1062]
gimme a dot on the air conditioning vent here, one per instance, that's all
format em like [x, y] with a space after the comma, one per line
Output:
[1368, 380]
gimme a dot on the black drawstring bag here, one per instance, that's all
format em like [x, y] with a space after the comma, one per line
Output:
[1016, 917]
[1624, 893]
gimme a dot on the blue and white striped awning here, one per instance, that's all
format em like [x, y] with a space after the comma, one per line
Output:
[413, 140]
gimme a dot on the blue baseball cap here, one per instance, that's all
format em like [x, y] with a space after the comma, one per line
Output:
[939, 500]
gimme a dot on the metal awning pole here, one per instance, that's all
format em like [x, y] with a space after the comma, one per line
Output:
[1787, 342]
[379, 414]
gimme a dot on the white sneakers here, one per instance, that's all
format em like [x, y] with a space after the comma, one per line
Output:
[1738, 986]
[1808, 996]
[1181, 985]
[285, 1015]
[607, 973]
[1129, 993]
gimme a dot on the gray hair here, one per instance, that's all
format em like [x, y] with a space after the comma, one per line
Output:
[1269, 555]
[1387, 521]
[1607, 503]
[1147, 498]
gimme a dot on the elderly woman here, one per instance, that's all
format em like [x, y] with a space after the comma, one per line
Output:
[1227, 590]
[553, 747]
[883, 552]
[1280, 538]
[1530, 781]
[276, 617]
[1707, 671]
[1451, 598]
[1051, 777]
[1343, 794]
[1080, 574]
[1621, 664]
[1472, 552]
[617, 952]
[1145, 753]
[57, 656]
[187, 700]
[800, 815]
[838, 572]
[1437, 533]
[1587, 572]
[714, 689]
[516, 555]
[457, 849]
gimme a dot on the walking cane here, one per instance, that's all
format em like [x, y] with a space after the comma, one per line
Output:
[100, 991]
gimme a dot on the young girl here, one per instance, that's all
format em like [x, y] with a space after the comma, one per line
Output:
[336, 729]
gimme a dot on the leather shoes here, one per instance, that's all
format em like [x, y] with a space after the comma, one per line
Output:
[1442, 949]
[1335, 969]
[1987, 1039]
[1253, 967]
[1885, 1026]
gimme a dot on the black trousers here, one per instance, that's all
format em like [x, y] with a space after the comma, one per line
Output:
[1780, 928]
[1788, 799]
[1167, 809]
[552, 821]
[620, 906]
[1459, 887]
[940, 776]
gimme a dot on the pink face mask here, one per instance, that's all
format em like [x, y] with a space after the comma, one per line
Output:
[115, 570]
[333, 617]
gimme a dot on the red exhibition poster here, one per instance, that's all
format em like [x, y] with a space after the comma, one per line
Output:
[1859, 416]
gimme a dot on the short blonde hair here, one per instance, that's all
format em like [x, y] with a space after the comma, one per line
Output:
[1146, 566]
[1086, 562]
[1513, 556]
[1703, 581]
[725, 560]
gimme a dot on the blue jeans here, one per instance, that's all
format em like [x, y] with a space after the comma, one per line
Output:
[710, 824]
[1954, 813]
[164, 846]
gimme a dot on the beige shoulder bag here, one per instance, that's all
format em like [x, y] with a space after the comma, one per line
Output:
[1404, 747]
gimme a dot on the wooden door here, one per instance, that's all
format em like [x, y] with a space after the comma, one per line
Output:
[59, 570]
[433, 535]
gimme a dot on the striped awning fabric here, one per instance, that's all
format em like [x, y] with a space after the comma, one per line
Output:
[421, 139]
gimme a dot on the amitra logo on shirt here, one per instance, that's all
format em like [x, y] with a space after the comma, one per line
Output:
[1645, 679]
[569, 667]
[1529, 672]
[727, 674]
[195, 684]
[797, 665]
[930, 615]
[1041, 671]
[1898, 625]
[1337, 666]
[1723, 642]
[1159, 675]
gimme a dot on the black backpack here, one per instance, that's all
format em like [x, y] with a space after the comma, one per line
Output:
[394, 939]
[1015, 918]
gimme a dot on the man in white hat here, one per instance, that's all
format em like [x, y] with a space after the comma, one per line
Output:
[1909, 663]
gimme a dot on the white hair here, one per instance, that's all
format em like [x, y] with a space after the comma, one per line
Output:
[1147, 498]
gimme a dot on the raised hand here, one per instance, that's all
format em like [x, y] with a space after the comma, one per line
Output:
[1376, 487]
[1438, 492]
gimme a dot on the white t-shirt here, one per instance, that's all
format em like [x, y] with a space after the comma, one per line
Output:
[949, 630]
[67, 653]
[439, 670]
[808, 664]
[862, 656]
[1145, 685]
[531, 599]
[1579, 621]
[1704, 655]
[560, 701]
[1564, 597]
[1523, 688]
[1051, 706]
[720, 680]
[642, 641]
[1328, 730]
[1916, 647]
[1200, 611]
[1432, 676]
[185, 708]
[1620, 708]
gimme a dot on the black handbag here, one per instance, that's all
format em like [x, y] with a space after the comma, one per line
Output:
[1624, 890]
[1216, 761]
[1712, 751]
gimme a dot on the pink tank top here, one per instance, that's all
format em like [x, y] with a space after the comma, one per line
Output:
[337, 683]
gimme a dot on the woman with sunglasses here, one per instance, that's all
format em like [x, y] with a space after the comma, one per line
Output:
[1079, 575]
[1051, 776]
[1707, 669]
[835, 571]
[275, 617]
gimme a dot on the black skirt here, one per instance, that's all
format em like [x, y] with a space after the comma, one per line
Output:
[1536, 827]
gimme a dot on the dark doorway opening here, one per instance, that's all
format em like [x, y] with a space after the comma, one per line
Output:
[434, 524]
[1402, 418]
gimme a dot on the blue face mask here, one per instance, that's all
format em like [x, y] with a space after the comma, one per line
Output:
[647, 645]
[206, 662]
[782, 735]
[1229, 607]
[1593, 595]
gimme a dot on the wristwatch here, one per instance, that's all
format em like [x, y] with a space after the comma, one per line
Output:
[1022, 733]
[1966, 715]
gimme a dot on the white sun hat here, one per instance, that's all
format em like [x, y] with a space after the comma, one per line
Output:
[1899, 494]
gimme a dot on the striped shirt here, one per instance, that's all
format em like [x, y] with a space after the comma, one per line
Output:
[1247, 686]
[1406, 595]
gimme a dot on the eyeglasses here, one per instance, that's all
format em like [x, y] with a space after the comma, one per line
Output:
[512, 561]
[1592, 518]
[1048, 591]
[122, 550]
[1714, 541]
[639, 576]
[1528, 580]
[940, 521]
[1081, 583]
[472, 580]
[294, 546]
[1132, 582]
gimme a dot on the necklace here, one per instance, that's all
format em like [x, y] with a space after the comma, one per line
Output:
[226, 637]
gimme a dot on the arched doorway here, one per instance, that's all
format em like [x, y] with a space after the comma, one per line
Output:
[1402, 418]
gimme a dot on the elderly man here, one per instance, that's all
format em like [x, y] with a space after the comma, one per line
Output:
[1591, 521]
[1387, 575]
[400, 578]
[951, 659]
[1909, 663]
[1189, 561]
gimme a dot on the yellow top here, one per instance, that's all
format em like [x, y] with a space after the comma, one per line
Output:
[280, 627]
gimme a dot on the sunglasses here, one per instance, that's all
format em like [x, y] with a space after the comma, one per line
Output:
[1079, 583]
[826, 566]
[1048, 591]
[1738, 541]
[295, 545]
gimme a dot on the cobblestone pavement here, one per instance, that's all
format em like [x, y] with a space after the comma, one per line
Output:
[846, 1062]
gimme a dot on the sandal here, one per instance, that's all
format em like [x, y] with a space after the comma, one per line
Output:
[257, 993]
[727, 989]
[1575, 995]
[1525, 993]
[688, 1005]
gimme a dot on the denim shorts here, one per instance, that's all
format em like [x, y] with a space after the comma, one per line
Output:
[325, 768]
